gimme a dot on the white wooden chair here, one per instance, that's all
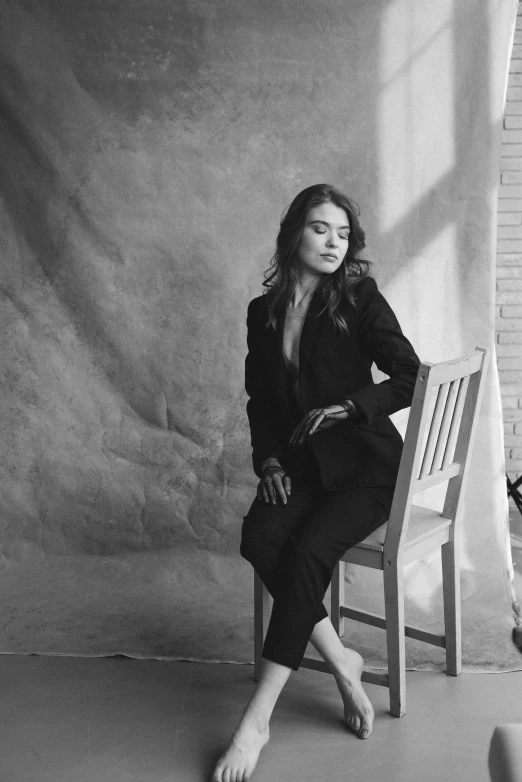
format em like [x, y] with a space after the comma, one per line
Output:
[412, 530]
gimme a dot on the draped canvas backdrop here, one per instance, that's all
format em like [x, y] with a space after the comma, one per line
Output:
[148, 149]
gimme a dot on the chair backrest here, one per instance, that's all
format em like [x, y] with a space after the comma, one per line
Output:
[439, 437]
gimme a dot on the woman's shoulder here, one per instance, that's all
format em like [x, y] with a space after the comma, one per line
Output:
[366, 286]
[363, 290]
[257, 306]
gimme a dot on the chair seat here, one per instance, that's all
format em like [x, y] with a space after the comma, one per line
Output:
[424, 522]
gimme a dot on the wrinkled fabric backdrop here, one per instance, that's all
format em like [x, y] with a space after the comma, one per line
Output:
[148, 149]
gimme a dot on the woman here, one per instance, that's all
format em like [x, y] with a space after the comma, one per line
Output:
[324, 449]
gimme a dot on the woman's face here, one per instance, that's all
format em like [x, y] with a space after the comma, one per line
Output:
[324, 242]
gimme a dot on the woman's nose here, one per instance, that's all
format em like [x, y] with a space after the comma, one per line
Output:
[331, 241]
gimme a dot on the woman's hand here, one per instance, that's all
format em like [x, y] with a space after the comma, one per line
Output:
[274, 483]
[319, 419]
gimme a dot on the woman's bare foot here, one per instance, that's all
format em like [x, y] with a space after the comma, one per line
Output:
[239, 760]
[358, 711]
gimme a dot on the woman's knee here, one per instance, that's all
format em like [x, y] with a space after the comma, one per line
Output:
[248, 543]
[262, 533]
[251, 535]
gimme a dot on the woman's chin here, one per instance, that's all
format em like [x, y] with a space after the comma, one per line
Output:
[329, 268]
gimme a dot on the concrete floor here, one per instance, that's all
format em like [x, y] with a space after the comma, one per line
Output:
[66, 719]
[114, 719]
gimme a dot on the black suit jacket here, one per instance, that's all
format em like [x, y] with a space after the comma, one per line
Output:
[360, 451]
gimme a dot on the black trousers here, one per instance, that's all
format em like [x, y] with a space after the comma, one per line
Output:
[295, 547]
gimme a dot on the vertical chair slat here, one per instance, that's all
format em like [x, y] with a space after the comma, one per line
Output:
[444, 427]
[455, 421]
[432, 435]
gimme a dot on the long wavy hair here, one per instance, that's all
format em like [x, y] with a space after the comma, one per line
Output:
[281, 276]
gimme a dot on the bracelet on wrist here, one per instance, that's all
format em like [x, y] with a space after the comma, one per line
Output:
[271, 463]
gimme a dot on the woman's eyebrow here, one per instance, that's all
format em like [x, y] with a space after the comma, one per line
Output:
[323, 222]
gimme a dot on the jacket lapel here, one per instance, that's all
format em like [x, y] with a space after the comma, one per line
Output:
[280, 366]
[310, 331]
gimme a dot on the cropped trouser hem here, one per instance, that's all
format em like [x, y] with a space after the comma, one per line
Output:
[275, 649]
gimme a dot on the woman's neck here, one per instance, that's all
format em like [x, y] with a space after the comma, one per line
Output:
[304, 289]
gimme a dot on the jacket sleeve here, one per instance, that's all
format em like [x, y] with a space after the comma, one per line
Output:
[384, 343]
[260, 412]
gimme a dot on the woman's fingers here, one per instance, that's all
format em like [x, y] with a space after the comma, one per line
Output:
[298, 434]
[305, 426]
[271, 491]
[299, 431]
[278, 483]
[316, 420]
[287, 483]
[320, 418]
[295, 433]
[273, 487]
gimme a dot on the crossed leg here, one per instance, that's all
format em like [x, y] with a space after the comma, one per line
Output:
[295, 554]
[294, 548]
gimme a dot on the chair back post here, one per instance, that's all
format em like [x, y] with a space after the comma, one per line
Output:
[466, 438]
[398, 520]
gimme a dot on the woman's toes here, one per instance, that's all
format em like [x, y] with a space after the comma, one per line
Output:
[366, 725]
[354, 723]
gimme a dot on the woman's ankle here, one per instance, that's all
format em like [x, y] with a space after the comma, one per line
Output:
[257, 716]
[351, 664]
[254, 722]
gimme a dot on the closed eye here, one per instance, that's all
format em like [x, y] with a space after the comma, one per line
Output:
[317, 231]
[317, 226]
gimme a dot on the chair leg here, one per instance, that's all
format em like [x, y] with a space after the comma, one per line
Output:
[261, 617]
[337, 598]
[394, 607]
[451, 591]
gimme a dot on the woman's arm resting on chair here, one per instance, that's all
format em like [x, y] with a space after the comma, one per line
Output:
[383, 341]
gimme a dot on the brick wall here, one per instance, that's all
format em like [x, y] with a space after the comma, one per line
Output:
[509, 263]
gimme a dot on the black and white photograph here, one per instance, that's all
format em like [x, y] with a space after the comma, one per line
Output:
[261, 390]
